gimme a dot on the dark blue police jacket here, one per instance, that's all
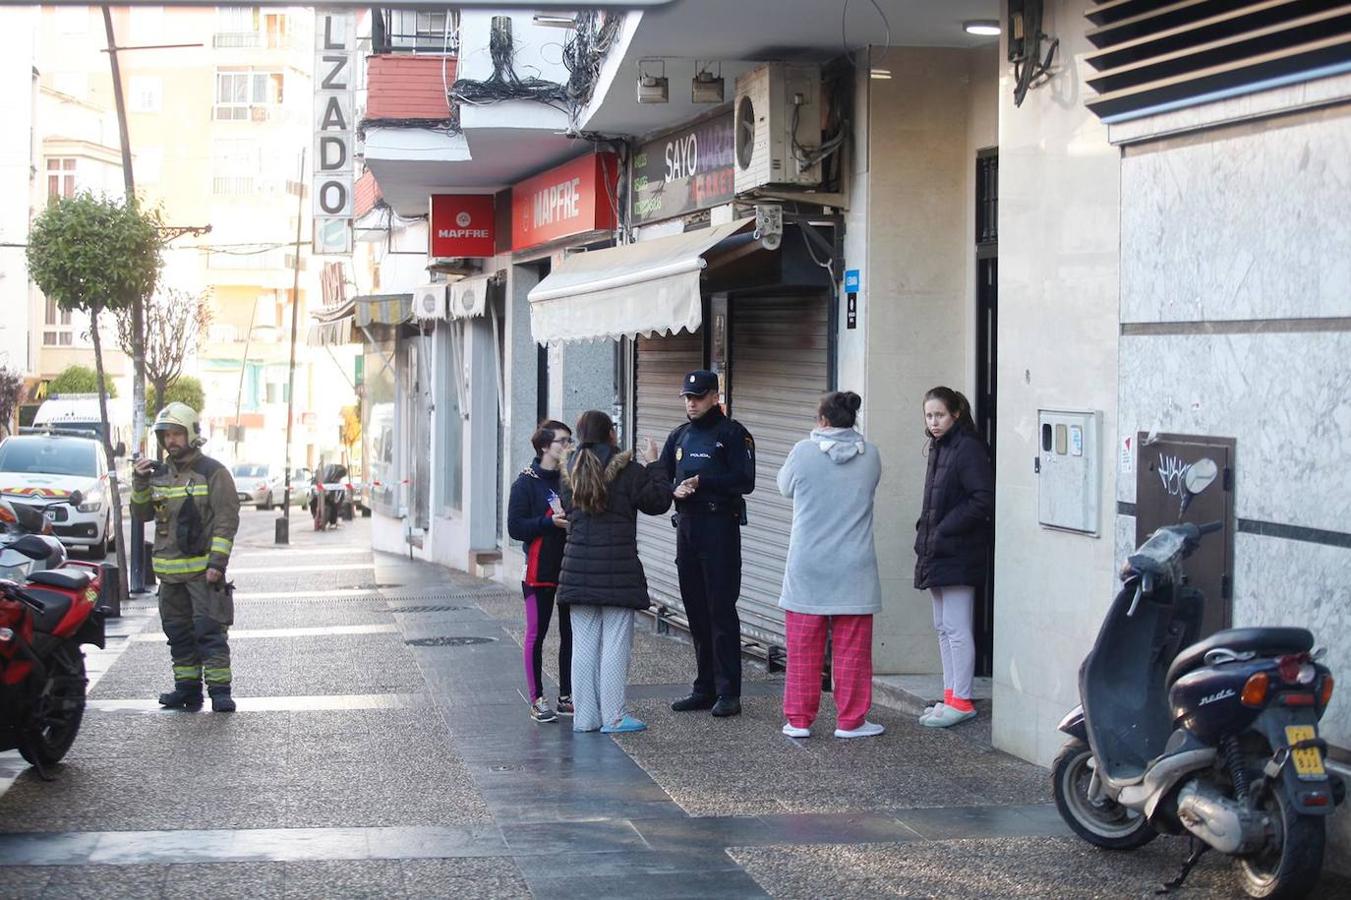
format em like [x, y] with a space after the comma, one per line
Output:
[721, 452]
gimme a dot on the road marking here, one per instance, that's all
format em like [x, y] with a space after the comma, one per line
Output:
[316, 594]
[279, 552]
[315, 631]
[275, 570]
[300, 703]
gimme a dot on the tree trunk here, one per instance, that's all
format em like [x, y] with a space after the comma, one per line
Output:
[114, 494]
[161, 385]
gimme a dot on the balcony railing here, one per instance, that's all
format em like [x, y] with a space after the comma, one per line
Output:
[415, 31]
[250, 40]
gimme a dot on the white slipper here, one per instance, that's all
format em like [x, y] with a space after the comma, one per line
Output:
[867, 729]
[930, 711]
[793, 731]
[947, 718]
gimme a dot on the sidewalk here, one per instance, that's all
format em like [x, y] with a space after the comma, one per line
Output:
[382, 748]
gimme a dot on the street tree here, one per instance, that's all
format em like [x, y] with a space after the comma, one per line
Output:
[97, 255]
[183, 389]
[11, 392]
[173, 322]
[78, 379]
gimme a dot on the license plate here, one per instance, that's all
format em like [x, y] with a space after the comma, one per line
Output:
[1308, 762]
[49, 515]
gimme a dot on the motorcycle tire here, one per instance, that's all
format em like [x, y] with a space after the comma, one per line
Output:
[1290, 868]
[1107, 825]
[58, 710]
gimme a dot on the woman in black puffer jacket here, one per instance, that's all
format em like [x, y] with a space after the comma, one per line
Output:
[602, 580]
[951, 539]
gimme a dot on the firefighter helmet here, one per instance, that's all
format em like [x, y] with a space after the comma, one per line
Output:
[179, 415]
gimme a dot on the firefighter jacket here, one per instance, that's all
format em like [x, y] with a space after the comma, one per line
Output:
[196, 514]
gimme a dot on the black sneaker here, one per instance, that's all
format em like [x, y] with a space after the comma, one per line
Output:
[727, 706]
[692, 702]
[564, 707]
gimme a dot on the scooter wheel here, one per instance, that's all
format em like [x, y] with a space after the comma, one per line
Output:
[1103, 823]
[1291, 862]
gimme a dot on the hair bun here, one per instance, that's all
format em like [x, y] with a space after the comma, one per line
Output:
[852, 401]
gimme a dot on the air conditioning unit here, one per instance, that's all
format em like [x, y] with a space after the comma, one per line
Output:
[429, 302]
[777, 122]
[469, 297]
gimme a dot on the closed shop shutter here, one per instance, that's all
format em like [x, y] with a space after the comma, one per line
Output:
[662, 364]
[779, 370]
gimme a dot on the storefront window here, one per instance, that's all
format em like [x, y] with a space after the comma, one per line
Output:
[449, 419]
[380, 428]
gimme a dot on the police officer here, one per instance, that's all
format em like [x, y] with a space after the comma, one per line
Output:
[196, 514]
[711, 462]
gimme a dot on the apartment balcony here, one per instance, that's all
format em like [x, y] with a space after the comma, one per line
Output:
[414, 31]
[251, 40]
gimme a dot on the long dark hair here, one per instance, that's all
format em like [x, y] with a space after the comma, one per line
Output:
[588, 472]
[957, 405]
[840, 408]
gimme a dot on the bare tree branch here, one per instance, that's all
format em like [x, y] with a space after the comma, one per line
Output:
[174, 321]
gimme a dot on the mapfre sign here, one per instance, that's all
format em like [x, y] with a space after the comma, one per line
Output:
[334, 163]
[462, 226]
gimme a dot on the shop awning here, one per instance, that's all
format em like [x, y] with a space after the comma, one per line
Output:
[334, 326]
[643, 288]
[383, 309]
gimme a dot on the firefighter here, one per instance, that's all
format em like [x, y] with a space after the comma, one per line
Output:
[196, 514]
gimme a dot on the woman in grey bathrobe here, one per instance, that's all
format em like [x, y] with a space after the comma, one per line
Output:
[831, 582]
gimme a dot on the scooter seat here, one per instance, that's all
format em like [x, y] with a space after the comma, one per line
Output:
[68, 579]
[1264, 641]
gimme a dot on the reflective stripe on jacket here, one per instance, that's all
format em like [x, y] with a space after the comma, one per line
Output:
[193, 502]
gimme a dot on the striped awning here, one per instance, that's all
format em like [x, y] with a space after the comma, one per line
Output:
[334, 326]
[383, 309]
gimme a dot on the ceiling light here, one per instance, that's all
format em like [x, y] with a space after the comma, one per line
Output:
[706, 88]
[982, 27]
[880, 74]
[549, 21]
[653, 88]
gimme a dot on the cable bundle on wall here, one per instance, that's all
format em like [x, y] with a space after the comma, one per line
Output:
[504, 84]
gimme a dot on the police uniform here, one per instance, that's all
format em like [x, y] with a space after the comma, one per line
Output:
[708, 542]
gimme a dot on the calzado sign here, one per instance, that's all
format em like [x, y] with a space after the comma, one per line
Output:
[334, 137]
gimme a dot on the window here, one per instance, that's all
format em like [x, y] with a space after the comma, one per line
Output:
[60, 177]
[146, 93]
[247, 94]
[55, 314]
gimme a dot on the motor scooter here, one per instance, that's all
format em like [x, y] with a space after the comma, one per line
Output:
[44, 622]
[1214, 739]
[27, 543]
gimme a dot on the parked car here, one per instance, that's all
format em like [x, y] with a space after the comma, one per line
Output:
[38, 468]
[253, 484]
[300, 483]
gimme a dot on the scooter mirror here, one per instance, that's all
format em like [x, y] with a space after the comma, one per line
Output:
[76, 498]
[1200, 475]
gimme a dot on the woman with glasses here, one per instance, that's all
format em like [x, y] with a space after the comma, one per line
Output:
[535, 517]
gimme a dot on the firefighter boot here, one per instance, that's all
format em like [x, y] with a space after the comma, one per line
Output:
[185, 695]
[221, 701]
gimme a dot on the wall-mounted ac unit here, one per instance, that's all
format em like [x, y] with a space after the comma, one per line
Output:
[429, 302]
[469, 297]
[777, 123]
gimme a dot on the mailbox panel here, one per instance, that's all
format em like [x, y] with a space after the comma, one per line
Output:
[1069, 468]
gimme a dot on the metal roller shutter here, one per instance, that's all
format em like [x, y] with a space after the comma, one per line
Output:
[779, 369]
[662, 364]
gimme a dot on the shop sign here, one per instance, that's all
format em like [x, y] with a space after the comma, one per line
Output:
[462, 226]
[687, 170]
[573, 198]
[334, 160]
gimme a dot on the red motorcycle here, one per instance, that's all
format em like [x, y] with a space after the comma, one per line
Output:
[43, 624]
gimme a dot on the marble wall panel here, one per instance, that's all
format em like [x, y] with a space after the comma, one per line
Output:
[1250, 224]
[1281, 582]
[1286, 398]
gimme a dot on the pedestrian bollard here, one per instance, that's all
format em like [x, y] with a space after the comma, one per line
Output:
[110, 596]
[283, 535]
[148, 572]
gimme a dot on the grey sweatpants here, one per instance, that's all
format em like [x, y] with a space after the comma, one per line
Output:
[602, 638]
[953, 608]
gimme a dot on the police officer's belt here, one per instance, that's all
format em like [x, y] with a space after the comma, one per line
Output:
[706, 508]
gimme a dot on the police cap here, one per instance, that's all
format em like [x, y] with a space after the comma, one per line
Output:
[698, 383]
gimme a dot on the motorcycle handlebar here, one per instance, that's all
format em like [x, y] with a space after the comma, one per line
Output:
[1211, 527]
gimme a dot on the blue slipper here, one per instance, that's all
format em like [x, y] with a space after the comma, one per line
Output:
[626, 725]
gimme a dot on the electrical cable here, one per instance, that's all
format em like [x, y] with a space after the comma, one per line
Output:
[504, 84]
